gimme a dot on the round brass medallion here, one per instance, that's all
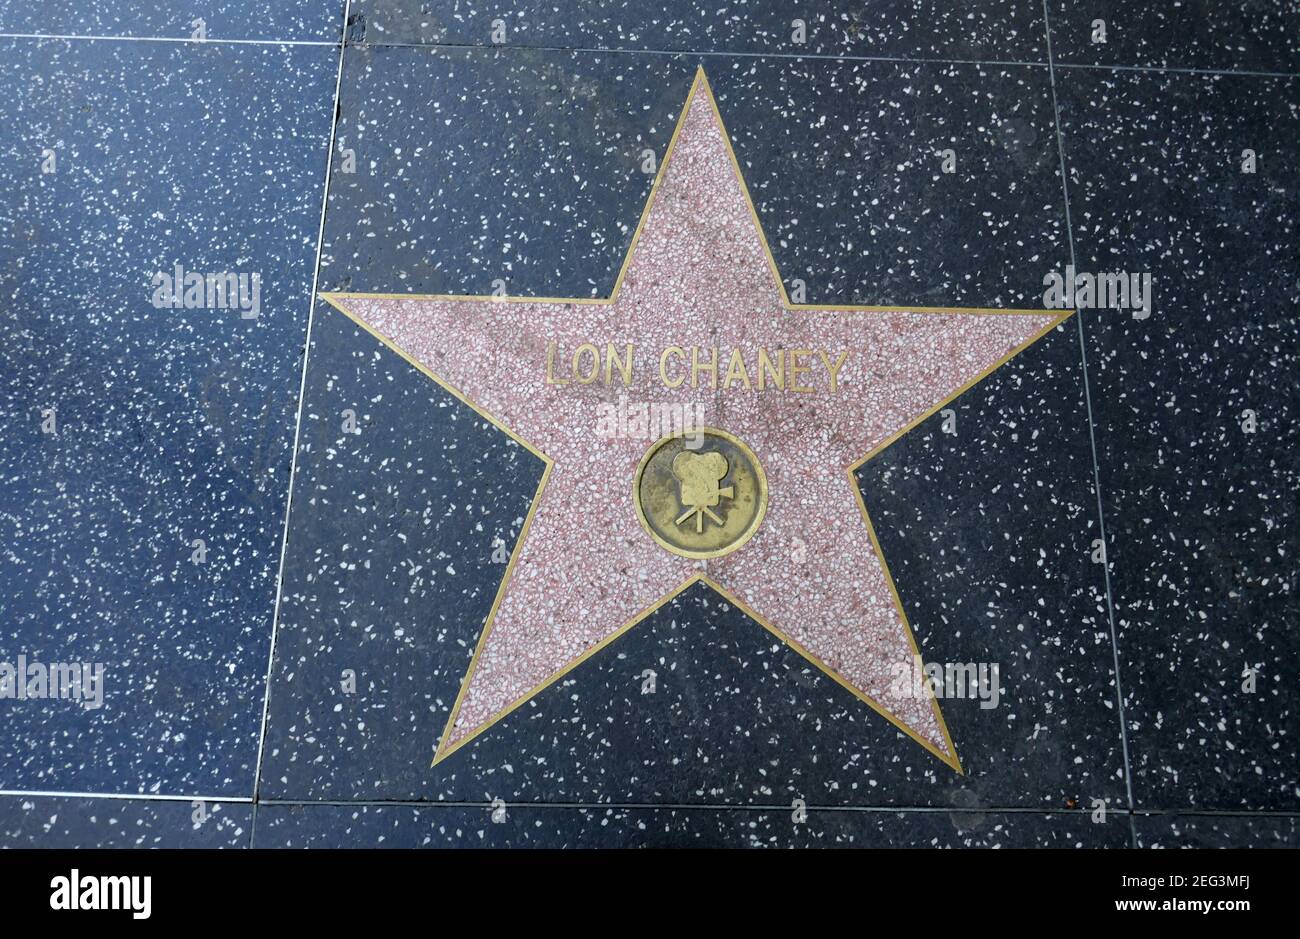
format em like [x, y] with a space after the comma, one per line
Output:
[702, 495]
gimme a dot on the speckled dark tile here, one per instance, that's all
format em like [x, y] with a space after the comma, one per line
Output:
[845, 161]
[1254, 35]
[563, 227]
[1216, 831]
[524, 826]
[988, 532]
[169, 425]
[1000, 30]
[395, 553]
[476, 145]
[475, 164]
[527, 165]
[736, 717]
[1200, 512]
[66, 822]
[282, 20]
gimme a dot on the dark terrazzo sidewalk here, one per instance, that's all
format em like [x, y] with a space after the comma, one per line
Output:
[288, 689]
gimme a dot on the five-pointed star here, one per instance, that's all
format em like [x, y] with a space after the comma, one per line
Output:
[698, 274]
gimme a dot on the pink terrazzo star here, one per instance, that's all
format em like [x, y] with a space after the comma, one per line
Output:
[698, 274]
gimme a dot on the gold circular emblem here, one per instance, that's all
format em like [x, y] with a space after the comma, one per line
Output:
[701, 495]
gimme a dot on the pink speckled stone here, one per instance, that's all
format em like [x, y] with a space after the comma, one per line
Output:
[699, 276]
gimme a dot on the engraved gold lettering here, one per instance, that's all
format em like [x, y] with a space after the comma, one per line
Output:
[711, 367]
[577, 363]
[624, 366]
[776, 370]
[663, 366]
[794, 368]
[834, 369]
[736, 370]
[762, 368]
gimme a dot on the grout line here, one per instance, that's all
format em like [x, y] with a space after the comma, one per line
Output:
[757, 807]
[827, 56]
[664, 806]
[657, 806]
[1217, 813]
[725, 53]
[126, 796]
[691, 53]
[1092, 438]
[302, 395]
[1177, 69]
[178, 39]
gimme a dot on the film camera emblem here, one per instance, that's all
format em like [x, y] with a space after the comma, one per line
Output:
[699, 474]
[703, 500]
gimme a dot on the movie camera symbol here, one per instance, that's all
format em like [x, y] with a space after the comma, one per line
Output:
[698, 475]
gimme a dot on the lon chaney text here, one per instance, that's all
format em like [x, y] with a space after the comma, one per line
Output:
[797, 370]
